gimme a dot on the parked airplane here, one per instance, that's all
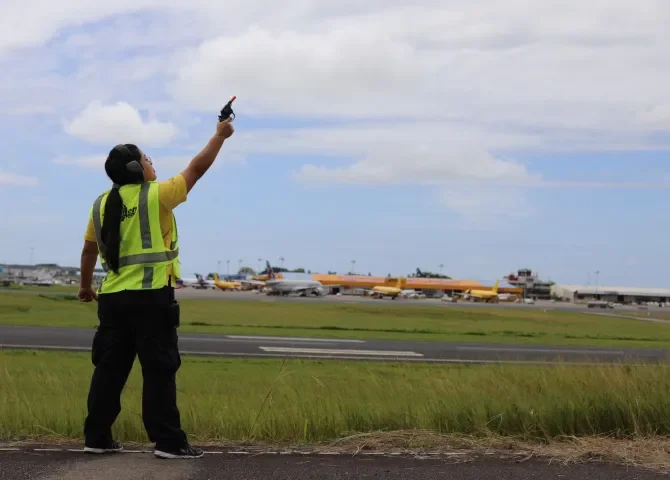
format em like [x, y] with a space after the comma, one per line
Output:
[393, 292]
[413, 294]
[285, 286]
[485, 295]
[198, 282]
[226, 285]
[506, 297]
[305, 287]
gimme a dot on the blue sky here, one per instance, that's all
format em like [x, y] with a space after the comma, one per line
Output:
[471, 135]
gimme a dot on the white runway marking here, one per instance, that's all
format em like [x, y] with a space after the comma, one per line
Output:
[328, 351]
[295, 339]
[250, 341]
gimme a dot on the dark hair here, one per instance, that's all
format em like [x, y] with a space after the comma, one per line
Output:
[115, 166]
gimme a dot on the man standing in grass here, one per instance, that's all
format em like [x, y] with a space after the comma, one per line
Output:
[134, 231]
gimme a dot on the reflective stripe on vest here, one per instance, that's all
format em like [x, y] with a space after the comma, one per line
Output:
[151, 260]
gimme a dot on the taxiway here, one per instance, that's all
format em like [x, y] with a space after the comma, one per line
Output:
[241, 346]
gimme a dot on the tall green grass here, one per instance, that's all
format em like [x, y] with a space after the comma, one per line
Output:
[44, 393]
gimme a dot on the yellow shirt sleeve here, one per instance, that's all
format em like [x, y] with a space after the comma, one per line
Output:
[172, 192]
[90, 231]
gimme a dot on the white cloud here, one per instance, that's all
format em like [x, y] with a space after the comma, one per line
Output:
[530, 64]
[422, 168]
[462, 85]
[19, 30]
[486, 207]
[419, 153]
[118, 123]
[12, 179]
[657, 117]
[285, 73]
[433, 93]
[357, 138]
[427, 153]
[167, 163]
[523, 63]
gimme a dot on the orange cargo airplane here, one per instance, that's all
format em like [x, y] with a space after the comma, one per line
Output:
[393, 292]
[485, 295]
[226, 285]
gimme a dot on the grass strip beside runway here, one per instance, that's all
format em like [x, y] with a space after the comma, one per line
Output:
[333, 320]
[44, 394]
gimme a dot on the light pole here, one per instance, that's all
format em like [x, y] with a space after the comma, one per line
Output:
[259, 265]
[32, 253]
[353, 267]
[441, 265]
[597, 273]
[218, 267]
[281, 262]
[239, 265]
[227, 267]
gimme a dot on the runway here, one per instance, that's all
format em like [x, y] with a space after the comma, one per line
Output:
[242, 346]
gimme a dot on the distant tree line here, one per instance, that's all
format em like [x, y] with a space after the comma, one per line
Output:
[422, 274]
[276, 269]
[250, 271]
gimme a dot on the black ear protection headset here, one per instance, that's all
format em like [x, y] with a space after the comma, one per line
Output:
[133, 166]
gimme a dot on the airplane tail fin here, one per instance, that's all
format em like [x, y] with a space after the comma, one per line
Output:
[271, 274]
[495, 286]
[216, 277]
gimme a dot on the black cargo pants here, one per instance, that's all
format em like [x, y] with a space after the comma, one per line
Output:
[141, 323]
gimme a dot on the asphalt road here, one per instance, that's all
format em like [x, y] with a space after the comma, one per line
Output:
[240, 346]
[79, 466]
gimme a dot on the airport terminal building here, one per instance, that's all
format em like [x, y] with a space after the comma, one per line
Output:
[624, 295]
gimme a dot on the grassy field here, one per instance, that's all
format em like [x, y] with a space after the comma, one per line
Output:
[44, 394]
[359, 321]
[52, 289]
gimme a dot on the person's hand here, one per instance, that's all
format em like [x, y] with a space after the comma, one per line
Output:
[86, 294]
[225, 128]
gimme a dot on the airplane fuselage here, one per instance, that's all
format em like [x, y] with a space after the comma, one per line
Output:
[228, 285]
[286, 286]
[392, 292]
[482, 295]
[195, 283]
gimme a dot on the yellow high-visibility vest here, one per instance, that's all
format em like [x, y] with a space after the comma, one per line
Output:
[143, 257]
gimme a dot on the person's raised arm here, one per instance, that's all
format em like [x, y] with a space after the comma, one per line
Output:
[203, 160]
